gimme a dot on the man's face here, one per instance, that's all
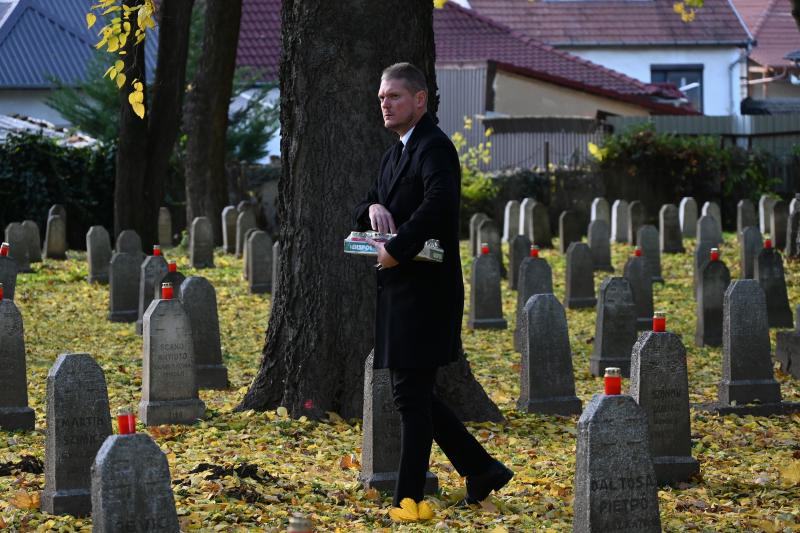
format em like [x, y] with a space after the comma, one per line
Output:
[400, 108]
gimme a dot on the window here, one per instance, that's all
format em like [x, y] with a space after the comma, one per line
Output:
[687, 78]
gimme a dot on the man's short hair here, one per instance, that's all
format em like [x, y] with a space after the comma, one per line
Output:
[411, 75]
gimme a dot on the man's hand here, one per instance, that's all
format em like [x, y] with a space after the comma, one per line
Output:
[385, 259]
[381, 219]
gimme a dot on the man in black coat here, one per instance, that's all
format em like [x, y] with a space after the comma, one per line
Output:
[420, 304]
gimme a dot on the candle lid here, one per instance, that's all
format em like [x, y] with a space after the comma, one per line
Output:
[637, 251]
[124, 411]
[156, 249]
[612, 372]
[659, 314]
[534, 250]
[4, 249]
[485, 248]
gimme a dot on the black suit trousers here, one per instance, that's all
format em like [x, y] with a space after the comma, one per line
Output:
[424, 419]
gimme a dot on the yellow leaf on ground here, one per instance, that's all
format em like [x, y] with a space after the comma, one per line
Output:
[791, 473]
[25, 500]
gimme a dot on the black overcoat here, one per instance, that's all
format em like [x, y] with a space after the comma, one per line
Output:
[419, 304]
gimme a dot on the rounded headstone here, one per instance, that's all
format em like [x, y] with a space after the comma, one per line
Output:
[615, 327]
[687, 213]
[579, 292]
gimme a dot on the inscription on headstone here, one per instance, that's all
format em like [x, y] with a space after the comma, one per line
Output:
[14, 411]
[615, 327]
[579, 292]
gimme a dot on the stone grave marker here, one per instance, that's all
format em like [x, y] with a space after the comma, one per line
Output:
[749, 247]
[34, 241]
[229, 216]
[712, 209]
[276, 261]
[245, 263]
[778, 220]
[489, 233]
[129, 242]
[670, 235]
[648, 241]
[619, 221]
[542, 236]
[131, 487]
[14, 411]
[768, 272]
[615, 483]
[518, 249]
[18, 246]
[8, 272]
[485, 301]
[152, 268]
[171, 276]
[687, 213]
[600, 210]
[792, 226]
[474, 223]
[708, 231]
[526, 218]
[787, 349]
[535, 277]
[59, 211]
[600, 245]
[795, 203]
[510, 220]
[660, 385]
[713, 281]
[547, 385]
[641, 282]
[245, 205]
[201, 243]
[636, 219]
[123, 283]
[259, 258]
[164, 227]
[169, 379]
[569, 230]
[380, 449]
[55, 238]
[579, 292]
[745, 215]
[98, 254]
[615, 327]
[765, 204]
[199, 300]
[244, 222]
[78, 421]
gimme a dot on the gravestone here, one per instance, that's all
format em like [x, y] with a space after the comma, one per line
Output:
[794, 205]
[276, 258]
[380, 448]
[768, 272]
[542, 236]
[14, 411]
[547, 385]
[712, 209]
[713, 281]
[619, 221]
[244, 222]
[510, 220]
[745, 215]
[152, 268]
[787, 349]
[600, 245]
[579, 291]
[638, 275]
[599, 210]
[172, 276]
[485, 301]
[660, 385]
[201, 243]
[474, 223]
[259, 258]
[245, 205]
[670, 235]
[687, 213]
[98, 254]
[792, 226]
[648, 241]
[123, 287]
[131, 487]
[128, 241]
[8, 276]
[229, 216]
[765, 204]
[169, 381]
[615, 327]
[778, 220]
[751, 244]
[164, 227]
[636, 219]
[615, 483]
[58, 210]
[245, 263]
[489, 233]
[526, 218]
[708, 231]
[569, 230]
[55, 238]
[535, 277]
[34, 241]
[518, 249]
[199, 301]
[78, 421]
[18, 246]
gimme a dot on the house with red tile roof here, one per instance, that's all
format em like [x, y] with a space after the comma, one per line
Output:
[644, 39]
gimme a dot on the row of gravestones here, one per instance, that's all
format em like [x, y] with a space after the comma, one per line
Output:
[24, 239]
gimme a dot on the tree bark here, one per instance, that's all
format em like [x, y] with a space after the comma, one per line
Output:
[207, 114]
[321, 326]
[796, 12]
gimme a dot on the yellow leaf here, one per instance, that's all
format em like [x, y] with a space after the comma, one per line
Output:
[90, 19]
[138, 108]
[120, 80]
[113, 43]
[791, 473]
[439, 4]
[282, 412]
[25, 500]
[119, 65]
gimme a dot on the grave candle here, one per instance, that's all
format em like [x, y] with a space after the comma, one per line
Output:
[1, 292]
[485, 248]
[126, 421]
[612, 381]
[156, 249]
[4, 249]
[767, 243]
[715, 254]
[534, 251]
[172, 266]
[166, 291]
[638, 251]
[659, 322]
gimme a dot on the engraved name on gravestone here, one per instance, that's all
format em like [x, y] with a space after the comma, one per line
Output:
[687, 213]
[542, 236]
[547, 385]
[510, 220]
[14, 411]
[670, 235]
[18, 246]
[745, 215]
[713, 281]
[638, 275]
[660, 385]
[569, 230]
[765, 204]
[579, 291]
[518, 249]
[615, 327]
[778, 219]
[792, 226]
[749, 247]
[8, 276]
[33, 238]
[380, 448]
[489, 233]
[769, 273]
[619, 221]
[636, 219]
[128, 241]
[712, 209]
[152, 268]
[164, 227]
[535, 277]
[599, 210]
[199, 300]
[787, 349]
[259, 259]
[55, 238]
[474, 223]
[648, 241]
[123, 287]
[229, 215]
[78, 421]
[615, 484]
[485, 301]
[526, 218]
[201, 243]
[600, 245]
[98, 254]
[244, 222]
[131, 488]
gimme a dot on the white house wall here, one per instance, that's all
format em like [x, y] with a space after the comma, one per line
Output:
[30, 103]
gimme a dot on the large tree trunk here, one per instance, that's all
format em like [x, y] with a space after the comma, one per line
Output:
[321, 327]
[796, 12]
[207, 114]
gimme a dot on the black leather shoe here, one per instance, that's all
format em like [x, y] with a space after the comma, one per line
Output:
[479, 486]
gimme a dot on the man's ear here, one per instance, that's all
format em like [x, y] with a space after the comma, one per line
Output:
[422, 98]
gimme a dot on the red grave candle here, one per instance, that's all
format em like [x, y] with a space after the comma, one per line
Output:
[156, 249]
[126, 421]
[166, 291]
[612, 381]
[767, 243]
[715, 254]
[484, 248]
[659, 322]
[1, 292]
[4, 249]
[534, 251]
[172, 266]
[637, 251]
